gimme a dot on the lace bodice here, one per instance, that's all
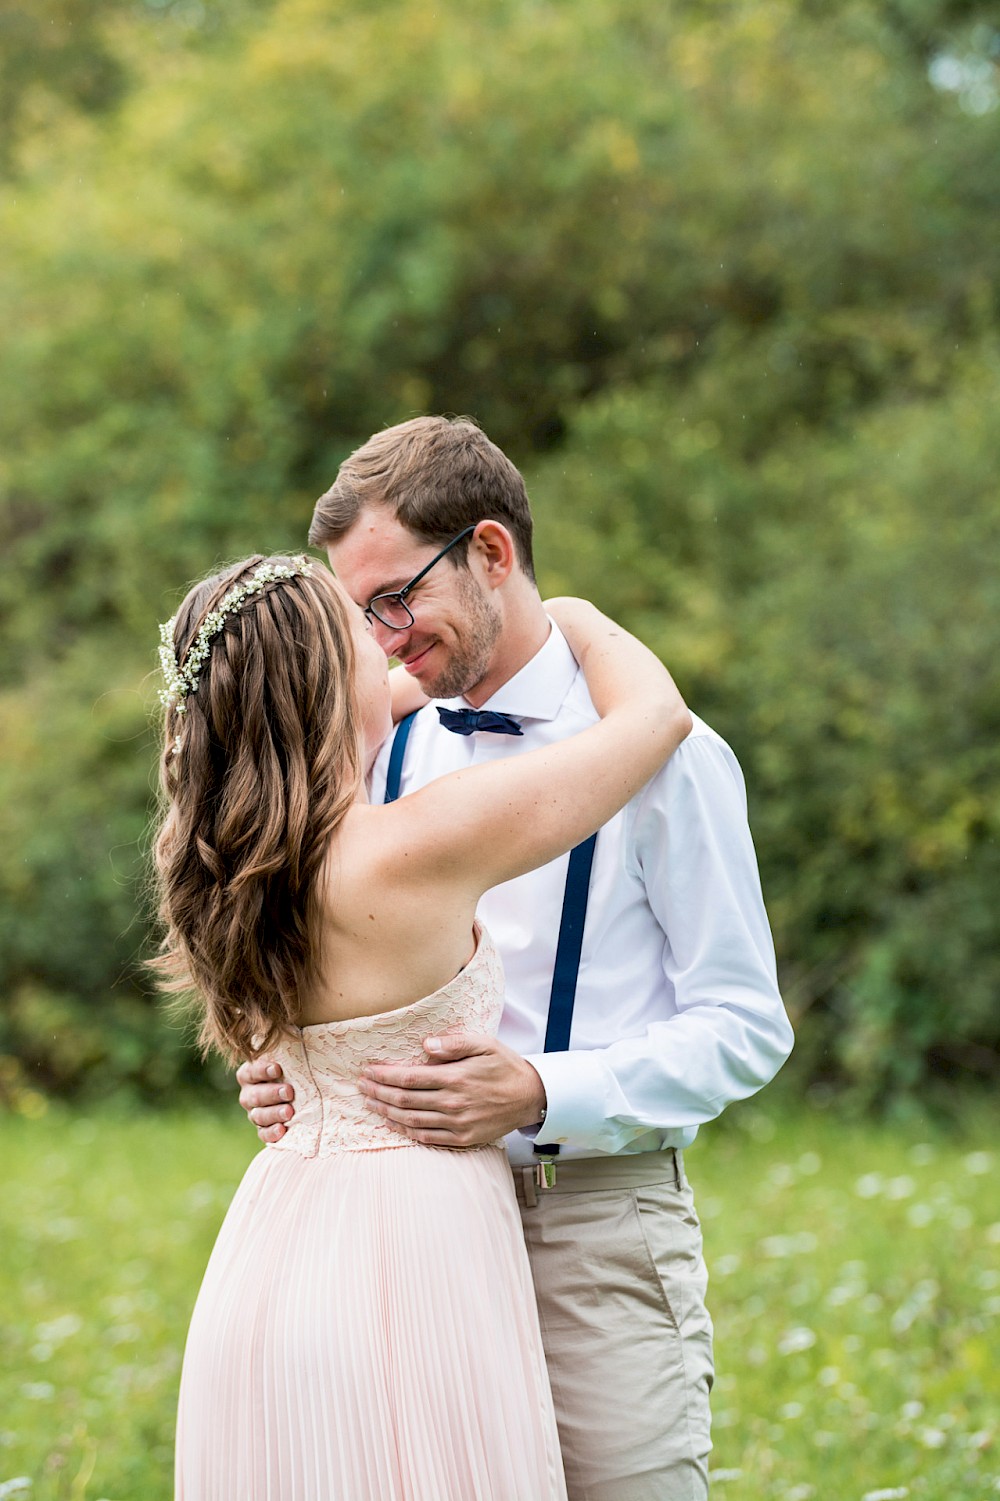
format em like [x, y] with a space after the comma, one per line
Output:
[323, 1062]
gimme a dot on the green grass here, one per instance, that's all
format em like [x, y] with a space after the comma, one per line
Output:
[856, 1294]
[855, 1289]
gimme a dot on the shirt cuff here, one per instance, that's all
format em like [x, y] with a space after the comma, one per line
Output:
[574, 1095]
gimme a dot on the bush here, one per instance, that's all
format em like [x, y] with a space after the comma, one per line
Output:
[722, 279]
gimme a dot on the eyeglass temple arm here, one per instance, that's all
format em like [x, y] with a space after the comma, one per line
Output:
[401, 594]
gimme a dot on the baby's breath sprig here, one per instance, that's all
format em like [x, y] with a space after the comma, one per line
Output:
[181, 679]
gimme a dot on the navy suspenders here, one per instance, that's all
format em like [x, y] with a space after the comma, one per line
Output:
[395, 772]
[566, 970]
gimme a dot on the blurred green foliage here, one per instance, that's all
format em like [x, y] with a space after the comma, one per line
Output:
[721, 277]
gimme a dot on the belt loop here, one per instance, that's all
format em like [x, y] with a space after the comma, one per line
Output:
[678, 1172]
[528, 1185]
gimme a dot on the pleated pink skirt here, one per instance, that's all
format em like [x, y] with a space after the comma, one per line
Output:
[367, 1331]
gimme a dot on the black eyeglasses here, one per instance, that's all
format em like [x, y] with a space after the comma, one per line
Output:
[391, 609]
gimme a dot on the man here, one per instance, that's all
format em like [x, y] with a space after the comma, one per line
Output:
[641, 993]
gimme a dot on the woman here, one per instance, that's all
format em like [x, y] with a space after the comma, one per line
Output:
[366, 1328]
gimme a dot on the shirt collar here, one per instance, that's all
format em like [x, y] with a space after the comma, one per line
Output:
[538, 690]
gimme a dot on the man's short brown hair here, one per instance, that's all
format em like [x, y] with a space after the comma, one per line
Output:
[437, 475]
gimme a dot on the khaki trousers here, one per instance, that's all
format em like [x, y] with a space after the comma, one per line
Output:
[616, 1257]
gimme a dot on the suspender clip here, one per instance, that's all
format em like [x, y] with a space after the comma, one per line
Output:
[545, 1173]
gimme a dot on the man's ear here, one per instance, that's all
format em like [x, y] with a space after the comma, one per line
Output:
[492, 553]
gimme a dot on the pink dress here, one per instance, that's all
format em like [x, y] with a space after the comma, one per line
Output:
[366, 1329]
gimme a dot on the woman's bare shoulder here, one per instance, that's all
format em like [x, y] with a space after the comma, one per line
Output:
[374, 857]
[382, 929]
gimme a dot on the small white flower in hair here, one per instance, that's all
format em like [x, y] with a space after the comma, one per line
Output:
[181, 678]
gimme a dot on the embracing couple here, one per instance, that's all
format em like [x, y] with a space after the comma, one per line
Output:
[468, 1266]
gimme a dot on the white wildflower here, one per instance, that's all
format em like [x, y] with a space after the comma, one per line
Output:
[793, 1341]
[124, 1334]
[779, 1246]
[869, 1186]
[920, 1299]
[841, 1294]
[38, 1391]
[56, 1330]
[933, 1438]
[62, 1229]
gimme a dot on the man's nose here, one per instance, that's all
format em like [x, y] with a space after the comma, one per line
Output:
[389, 638]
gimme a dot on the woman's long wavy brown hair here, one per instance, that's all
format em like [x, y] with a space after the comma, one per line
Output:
[270, 759]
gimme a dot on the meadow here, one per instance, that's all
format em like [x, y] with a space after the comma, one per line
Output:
[855, 1288]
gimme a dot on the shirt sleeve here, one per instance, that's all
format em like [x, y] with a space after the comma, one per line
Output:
[728, 1032]
[380, 771]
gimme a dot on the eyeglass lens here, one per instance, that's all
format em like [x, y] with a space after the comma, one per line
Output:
[391, 611]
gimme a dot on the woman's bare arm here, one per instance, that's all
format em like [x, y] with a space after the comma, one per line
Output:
[490, 823]
[476, 828]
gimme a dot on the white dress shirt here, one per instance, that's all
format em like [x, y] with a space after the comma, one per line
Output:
[677, 1007]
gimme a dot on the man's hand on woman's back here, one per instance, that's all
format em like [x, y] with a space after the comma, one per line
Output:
[266, 1097]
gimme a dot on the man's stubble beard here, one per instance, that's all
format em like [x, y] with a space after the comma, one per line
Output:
[470, 660]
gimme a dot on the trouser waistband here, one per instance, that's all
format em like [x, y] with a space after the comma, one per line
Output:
[594, 1174]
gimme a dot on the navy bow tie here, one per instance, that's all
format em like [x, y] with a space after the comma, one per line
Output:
[464, 721]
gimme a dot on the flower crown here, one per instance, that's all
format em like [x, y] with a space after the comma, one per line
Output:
[182, 680]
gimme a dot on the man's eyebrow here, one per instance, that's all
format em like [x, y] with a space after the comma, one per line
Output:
[390, 587]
